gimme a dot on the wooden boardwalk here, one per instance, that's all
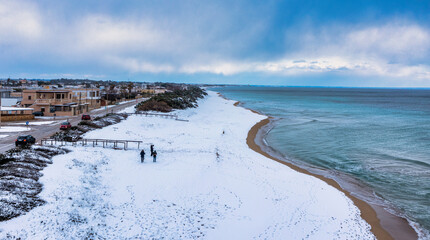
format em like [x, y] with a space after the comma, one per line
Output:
[163, 115]
[146, 114]
[115, 143]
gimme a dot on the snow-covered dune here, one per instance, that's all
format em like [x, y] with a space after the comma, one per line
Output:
[206, 184]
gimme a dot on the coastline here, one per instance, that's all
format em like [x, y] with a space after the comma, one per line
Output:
[384, 225]
[206, 176]
[206, 183]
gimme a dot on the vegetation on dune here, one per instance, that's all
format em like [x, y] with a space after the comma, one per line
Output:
[20, 168]
[152, 105]
[19, 178]
[177, 99]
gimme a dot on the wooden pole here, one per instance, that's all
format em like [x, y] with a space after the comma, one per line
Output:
[0, 110]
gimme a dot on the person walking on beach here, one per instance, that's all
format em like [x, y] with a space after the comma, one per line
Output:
[152, 149]
[142, 156]
[154, 155]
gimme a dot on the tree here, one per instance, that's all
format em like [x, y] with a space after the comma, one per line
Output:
[130, 87]
[123, 90]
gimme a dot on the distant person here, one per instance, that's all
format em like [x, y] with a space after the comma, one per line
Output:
[152, 149]
[142, 156]
[154, 155]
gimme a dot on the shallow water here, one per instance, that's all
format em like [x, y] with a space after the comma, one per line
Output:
[379, 136]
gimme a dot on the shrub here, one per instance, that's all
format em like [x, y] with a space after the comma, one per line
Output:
[90, 124]
[177, 99]
[153, 105]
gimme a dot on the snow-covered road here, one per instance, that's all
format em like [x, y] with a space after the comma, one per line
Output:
[206, 184]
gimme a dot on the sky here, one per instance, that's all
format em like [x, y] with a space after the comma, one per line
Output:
[367, 43]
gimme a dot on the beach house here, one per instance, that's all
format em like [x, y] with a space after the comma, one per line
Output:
[61, 102]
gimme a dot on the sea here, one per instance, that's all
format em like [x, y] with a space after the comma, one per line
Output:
[378, 137]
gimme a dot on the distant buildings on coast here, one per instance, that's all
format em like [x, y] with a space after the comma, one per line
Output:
[21, 99]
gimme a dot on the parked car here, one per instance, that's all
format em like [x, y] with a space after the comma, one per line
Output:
[25, 140]
[86, 117]
[65, 126]
[39, 113]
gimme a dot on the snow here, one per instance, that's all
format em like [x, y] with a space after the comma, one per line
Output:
[36, 123]
[206, 184]
[4, 108]
[3, 136]
[14, 129]
[128, 110]
[129, 101]
[120, 103]
[102, 108]
[9, 102]
[48, 117]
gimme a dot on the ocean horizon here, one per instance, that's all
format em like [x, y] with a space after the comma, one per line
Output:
[378, 136]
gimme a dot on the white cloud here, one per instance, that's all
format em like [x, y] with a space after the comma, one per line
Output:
[291, 67]
[145, 45]
[365, 52]
[225, 68]
[398, 41]
[19, 22]
[138, 66]
[103, 33]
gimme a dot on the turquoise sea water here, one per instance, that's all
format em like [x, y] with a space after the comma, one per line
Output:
[379, 136]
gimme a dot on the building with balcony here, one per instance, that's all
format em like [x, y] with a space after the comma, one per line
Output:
[61, 102]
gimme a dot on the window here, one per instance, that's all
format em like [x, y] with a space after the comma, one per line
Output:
[29, 97]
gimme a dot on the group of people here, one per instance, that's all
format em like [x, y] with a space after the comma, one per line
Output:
[153, 154]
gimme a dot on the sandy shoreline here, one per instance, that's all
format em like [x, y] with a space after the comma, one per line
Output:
[383, 224]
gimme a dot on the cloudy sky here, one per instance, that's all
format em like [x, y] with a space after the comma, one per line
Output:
[382, 43]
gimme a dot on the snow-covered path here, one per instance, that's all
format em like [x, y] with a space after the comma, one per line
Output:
[206, 183]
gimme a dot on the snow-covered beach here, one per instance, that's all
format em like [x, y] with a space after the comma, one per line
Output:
[207, 183]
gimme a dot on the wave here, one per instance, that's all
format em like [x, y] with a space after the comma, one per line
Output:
[404, 160]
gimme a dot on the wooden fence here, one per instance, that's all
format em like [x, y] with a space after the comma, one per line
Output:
[163, 115]
[116, 144]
